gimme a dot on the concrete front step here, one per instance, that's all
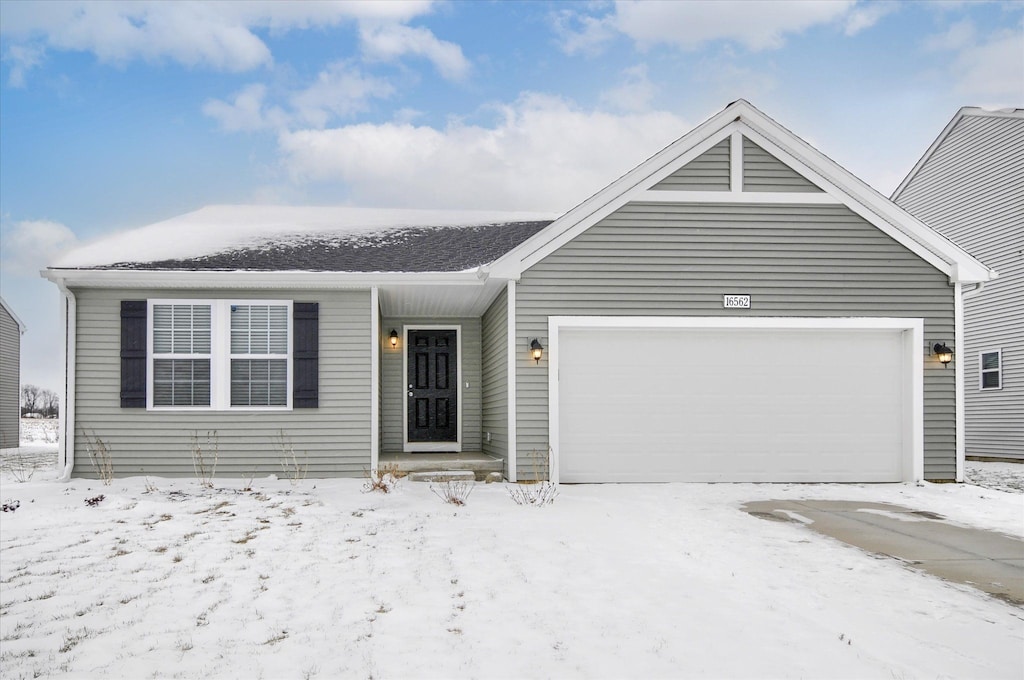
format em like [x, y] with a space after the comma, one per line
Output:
[443, 476]
[479, 464]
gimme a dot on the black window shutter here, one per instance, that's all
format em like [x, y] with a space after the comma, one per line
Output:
[133, 354]
[305, 355]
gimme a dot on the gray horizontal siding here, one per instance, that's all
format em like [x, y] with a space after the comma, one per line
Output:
[764, 172]
[494, 379]
[334, 438]
[707, 172]
[393, 382]
[970, 190]
[10, 380]
[678, 260]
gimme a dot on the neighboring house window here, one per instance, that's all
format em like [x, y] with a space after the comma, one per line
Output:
[220, 354]
[992, 370]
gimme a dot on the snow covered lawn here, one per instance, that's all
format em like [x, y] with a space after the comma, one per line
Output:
[323, 580]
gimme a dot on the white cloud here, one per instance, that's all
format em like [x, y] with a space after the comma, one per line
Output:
[582, 33]
[865, 15]
[634, 94]
[993, 69]
[23, 58]
[244, 114]
[31, 245]
[689, 25]
[989, 68]
[540, 155]
[389, 42]
[339, 90]
[958, 36]
[217, 35]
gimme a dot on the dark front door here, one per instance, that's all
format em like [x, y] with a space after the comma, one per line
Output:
[433, 386]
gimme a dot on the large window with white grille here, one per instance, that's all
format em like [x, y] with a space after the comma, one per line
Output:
[181, 355]
[259, 355]
[220, 354]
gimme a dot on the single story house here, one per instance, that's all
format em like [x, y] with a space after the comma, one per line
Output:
[736, 308]
[969, 186]
[11, 330]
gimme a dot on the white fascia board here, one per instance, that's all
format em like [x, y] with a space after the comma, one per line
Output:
[107, 278]
[906, 229]
[615, 195]
[21, 326]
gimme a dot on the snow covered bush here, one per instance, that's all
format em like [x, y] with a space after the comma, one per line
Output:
[383, 479]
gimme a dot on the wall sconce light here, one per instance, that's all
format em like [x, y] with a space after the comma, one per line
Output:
[536, 350]
[943, 353]
[394, 338]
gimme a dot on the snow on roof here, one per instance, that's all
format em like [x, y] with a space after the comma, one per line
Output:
[223, 228]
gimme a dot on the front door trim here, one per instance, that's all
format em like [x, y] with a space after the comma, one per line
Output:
[427, 447]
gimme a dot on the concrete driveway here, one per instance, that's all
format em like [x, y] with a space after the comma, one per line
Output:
[986, 560]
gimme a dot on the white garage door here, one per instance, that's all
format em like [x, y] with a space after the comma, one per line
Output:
[735, 404]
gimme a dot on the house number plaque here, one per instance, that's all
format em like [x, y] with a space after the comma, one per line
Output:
[736, 301]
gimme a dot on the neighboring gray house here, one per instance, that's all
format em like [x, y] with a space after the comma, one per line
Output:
[11, 330]
[736, 308]
[969, 186]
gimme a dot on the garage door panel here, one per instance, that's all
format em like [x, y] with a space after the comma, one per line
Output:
[730, 405]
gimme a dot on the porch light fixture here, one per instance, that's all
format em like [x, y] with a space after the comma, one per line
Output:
[394, 338]
[536, 350]
[943, 353]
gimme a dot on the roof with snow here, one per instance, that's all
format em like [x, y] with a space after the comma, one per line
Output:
[287, 238]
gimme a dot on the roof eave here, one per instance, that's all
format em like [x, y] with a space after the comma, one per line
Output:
[136, 278]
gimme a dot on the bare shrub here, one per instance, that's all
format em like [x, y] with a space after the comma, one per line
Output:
[454, 491]
[539, 494]
[99, 456]
[204, 462]
[293, 470]
[21, 467]
[383, 479]
[94, 501]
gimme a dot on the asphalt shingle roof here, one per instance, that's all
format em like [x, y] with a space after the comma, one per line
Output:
[402, 249]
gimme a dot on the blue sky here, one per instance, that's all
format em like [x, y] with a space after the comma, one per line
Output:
[116, 115]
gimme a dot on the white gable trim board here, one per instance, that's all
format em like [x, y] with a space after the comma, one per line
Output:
[741, 117]
[864, 424]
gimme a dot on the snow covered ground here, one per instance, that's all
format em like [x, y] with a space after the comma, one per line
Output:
[163, 578]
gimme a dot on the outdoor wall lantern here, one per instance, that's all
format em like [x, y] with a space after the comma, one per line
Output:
[394, 338]
[536, 350]
[943, 353]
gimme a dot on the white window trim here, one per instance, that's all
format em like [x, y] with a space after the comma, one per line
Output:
[982, 371]
[220, 354]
